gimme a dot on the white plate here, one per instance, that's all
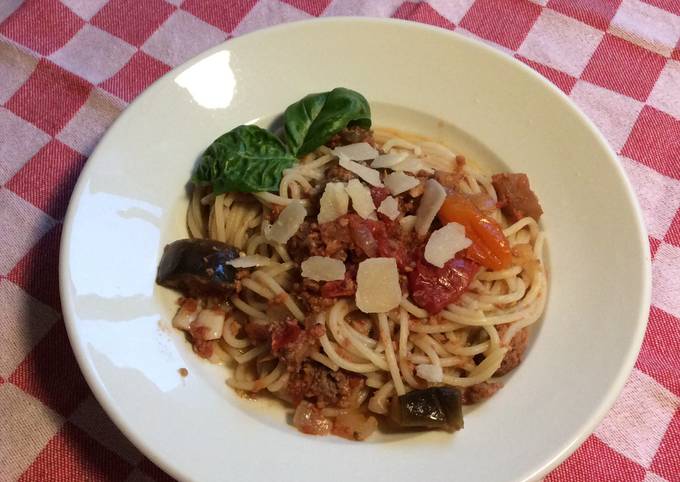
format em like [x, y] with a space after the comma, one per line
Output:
[130, 202]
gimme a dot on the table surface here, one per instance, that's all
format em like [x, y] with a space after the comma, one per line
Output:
[67, 70]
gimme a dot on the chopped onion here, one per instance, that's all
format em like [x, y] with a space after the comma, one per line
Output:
[186, 314]
[333, 203]
[369, 175]
[444, 243]
[213, 320]
[361, 151]
[398, 182]
[430, 203]
[378, 288]
[390, 208]
[288, 223]
[322, 268]
[362, 201]
[430, 373]
[407, 223]
[389, 160]
[250, 261]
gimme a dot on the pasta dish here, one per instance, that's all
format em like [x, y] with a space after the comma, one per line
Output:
[362, 275]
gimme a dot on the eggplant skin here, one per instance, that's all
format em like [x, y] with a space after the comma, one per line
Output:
[430, 408]
[197, 267]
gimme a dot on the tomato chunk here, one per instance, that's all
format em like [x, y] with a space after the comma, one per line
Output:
[490, 247]
[433, 288]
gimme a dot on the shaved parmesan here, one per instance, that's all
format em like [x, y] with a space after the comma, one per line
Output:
[333, 203]
[444, 243]
[249, 261]
[398, 182]
[369, 175]
[389, 160]
[378, 289]
[432, 200]
[430, 373]
[399, 142]
[390, 208]
[361, 151]
[288, 223]
[322, 268]
[412, 164]
[362, 201]
[407, 223]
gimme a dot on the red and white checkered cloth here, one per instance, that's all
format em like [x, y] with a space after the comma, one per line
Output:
[68, 68]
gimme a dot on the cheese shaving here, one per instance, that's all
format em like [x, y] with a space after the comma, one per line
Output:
[407, 223]
[413, 164]
[322, 268]
[389, 160]
[398, 182]
[250, 261]
[430, 203]
[369, 175]
[378, 289]
[390, 208]
[444, 243]
[361, 151]
[333, 202]
[288, 223]
[362, 202]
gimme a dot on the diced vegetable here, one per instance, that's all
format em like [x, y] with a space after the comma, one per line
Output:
[444, 243]
[288, 222]
[430, 373]
[198, 267]
[378, 288]
[186, 314]
[369, 175]
[362, 201]
[309, 419]
[322, 268]
[398, 182]
[433, 288]
[432, 200]
[212, 322]
[361, 151]
[390, 208]
[250, 261]
[490, 247]
[431, 408]
[334, 202]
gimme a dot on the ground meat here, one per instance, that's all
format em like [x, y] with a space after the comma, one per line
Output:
[337, 173]
[321, 386]
[479, 392]
[256, 332]
[515, 196]
[306, 242]
[351, 135]
[309, 293]
[450, 180]
[275, 212]
[293, 344]
[518, 346]
[378, 194]
[202, 347]
[337, 237]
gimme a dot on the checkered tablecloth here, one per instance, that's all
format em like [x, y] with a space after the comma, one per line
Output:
[69, 67]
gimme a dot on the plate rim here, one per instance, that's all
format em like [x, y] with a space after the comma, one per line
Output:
[97, 385]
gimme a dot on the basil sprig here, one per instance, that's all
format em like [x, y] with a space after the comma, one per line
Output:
[251, 159]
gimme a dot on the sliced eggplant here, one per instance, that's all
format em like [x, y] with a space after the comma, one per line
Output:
[197, 267]
[431, 408]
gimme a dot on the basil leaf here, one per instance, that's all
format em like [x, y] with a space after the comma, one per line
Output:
[312, 121]
[245, 159]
